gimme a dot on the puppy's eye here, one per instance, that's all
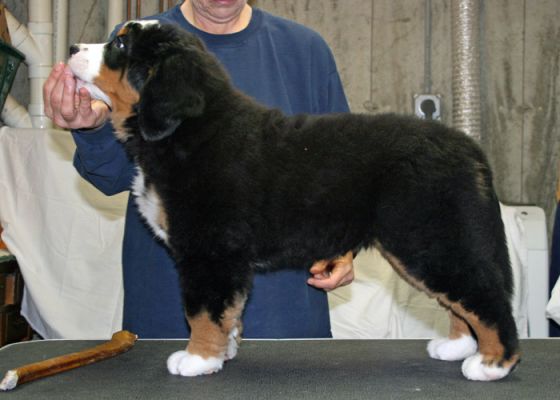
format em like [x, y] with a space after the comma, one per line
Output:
[119, 43]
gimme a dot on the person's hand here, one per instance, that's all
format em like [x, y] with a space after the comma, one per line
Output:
[330, 274]
[68, 108]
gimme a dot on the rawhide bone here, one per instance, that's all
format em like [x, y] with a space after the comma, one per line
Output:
[120, 342]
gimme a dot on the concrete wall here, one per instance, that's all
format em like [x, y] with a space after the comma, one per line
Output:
[379, 46]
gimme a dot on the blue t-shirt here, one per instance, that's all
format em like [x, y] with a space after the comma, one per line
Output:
[283, 65]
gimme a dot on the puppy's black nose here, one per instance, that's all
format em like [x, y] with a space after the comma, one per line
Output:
[74, 49]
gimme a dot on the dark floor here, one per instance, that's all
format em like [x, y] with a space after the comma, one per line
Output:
[298, 369]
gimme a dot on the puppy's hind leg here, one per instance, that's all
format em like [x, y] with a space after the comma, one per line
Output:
[483, 310]
[498, 350]
[459, 345]
[484, 301]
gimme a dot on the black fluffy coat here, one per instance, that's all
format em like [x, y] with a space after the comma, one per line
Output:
[246, 188]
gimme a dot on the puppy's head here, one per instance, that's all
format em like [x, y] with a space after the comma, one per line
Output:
[155, 71]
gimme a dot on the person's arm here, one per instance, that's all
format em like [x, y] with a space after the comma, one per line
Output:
[326, 80]
[101, 159]
[335, 98]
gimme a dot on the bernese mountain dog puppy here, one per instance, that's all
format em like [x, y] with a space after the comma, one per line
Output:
[234, 188]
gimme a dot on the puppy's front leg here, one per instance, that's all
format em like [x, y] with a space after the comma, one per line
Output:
[212, 342]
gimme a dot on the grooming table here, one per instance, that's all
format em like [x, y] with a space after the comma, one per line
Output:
[285, 369]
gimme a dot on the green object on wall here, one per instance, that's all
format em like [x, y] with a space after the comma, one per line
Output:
[10, 58]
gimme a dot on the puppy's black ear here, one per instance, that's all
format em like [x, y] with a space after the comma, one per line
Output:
[171, 94]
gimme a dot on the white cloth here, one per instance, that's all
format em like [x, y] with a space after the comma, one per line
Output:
[553, 307]
[65, 234]
[518, 255]
[379, 304]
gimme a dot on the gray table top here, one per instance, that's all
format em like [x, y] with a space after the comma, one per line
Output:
[285, 369]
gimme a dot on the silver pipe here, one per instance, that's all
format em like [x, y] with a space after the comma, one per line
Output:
[115, 15]
[60, 30]
[465, 85]
[427, 46]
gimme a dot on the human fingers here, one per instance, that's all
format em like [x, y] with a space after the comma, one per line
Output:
[49, 86]
[341, 274]
[82, 103]
[94, 113]
[68, 109]
[319, 267]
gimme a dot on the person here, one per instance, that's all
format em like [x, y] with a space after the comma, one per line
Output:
[279, 63]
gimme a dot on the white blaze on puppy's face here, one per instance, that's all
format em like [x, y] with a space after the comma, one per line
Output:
[86, 65]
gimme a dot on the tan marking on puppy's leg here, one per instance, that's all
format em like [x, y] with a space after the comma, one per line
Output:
[208, 339]
[489, 363]
[211, 343]
[460, 343]
[400, 269]
[489, 343]
[211, 339]
[458, 327]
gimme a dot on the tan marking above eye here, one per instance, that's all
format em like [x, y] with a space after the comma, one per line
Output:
[122, 31]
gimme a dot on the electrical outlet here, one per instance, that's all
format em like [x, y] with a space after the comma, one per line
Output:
[427, 106]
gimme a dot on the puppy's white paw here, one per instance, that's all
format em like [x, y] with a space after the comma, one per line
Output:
[474, 369]
[186, 364]
[452, 349]
[231, 351]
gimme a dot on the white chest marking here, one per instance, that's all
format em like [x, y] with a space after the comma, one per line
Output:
[149, 204]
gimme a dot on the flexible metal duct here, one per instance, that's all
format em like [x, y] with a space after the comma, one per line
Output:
[465, 86]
